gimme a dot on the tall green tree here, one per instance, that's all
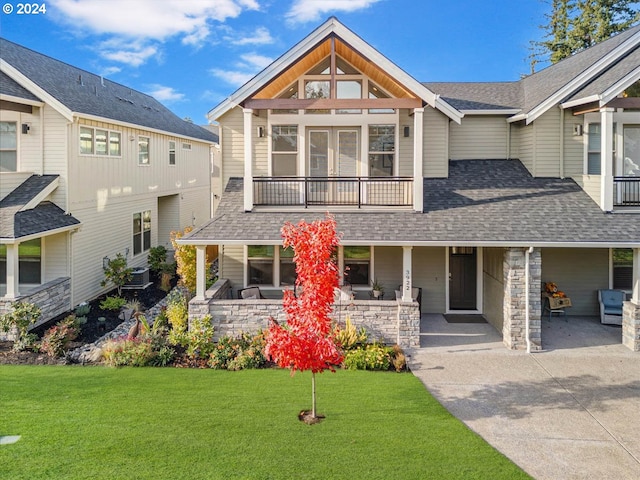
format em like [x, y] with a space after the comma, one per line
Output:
[573, 25]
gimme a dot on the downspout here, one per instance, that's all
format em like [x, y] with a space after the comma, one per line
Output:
[526, 296]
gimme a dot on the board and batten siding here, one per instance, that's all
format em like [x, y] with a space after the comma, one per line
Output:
[232, 145]
[479, 137]
[578, 272]
[429, 273]
[493, 286]
[231, 265]
[435, 144]
[55, 253]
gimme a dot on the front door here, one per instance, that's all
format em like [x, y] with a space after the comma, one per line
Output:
[333, 155]
[463, 278]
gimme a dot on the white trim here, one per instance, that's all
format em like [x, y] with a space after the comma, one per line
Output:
[28, 84]
[586, 75]
[620, 86]
[332, 25]
[35, 201]
[20, 100]
[12, 241]
[504, 111]
[580, 101]
[479, 282]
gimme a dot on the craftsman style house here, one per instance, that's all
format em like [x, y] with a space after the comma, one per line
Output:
[88, 169]
[465, 197]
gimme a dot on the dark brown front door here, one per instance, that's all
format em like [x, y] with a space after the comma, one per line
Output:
[462, 278]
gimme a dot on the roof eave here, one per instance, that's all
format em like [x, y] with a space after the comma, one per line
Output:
[488, 111]
[25, 101]
[46, 233]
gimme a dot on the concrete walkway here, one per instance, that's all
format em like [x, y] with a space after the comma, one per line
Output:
[569, 412]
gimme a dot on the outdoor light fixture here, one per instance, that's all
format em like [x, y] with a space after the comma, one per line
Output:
[577, 129]
[105, 263]
[25, 128]
[260, 132]
[406, 131]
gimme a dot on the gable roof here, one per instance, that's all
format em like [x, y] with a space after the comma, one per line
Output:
[77, 92]
[8, 86]
[481, 203]
[333, 27]
[24, 212]
[577, 79]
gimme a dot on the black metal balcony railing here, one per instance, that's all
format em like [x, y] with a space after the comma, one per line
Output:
[626, 191]
[344, 191]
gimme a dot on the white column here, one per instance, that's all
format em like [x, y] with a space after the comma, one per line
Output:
[635, 279]
[406, 274]
[13, 271]
[201, 271]
[418, 130]
[248, 159]
[606, 159]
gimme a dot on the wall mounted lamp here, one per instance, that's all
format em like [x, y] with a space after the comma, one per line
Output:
[260, 132]
[105, 263]
[25, 128]
[406, 131]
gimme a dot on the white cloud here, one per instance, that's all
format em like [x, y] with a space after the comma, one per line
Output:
[312, 10]
[108, 71]
[245, 70]
[260, 36]
[131, 52]
[150, 18]
[164, 94]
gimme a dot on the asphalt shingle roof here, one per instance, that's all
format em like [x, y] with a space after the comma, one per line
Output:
[46, 216]
[482, 201]
[8, 86]
[479, 95]
[84, 92]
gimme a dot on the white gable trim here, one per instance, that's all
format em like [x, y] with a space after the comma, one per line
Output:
[619, 86]
[42, 195]
[580, 80]
[24, 101]
[333, 26]
[580, 101]
[504, 111]
[27, 83]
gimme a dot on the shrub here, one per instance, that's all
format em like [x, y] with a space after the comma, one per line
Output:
[178, 316]
[157, 258]
[199, 338]
[245, 351]
[113, 303]
[22, 315]
[350, 337]
[55, 340]
[148, 350]
[398, 358]
[370, 357]
[117, 273]
[186, 260]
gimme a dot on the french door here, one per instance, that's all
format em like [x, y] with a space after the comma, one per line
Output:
[333, 156]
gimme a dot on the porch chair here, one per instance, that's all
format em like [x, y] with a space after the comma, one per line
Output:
[611, 306]
[250, 293]
[416, 295]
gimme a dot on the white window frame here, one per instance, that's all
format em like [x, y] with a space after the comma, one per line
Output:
[277, 281]
[295, 154]
[172, 153]
[186, 146]
[17, 149]
[109, 133]
[148, 162]
[370, 152]
[142, 232]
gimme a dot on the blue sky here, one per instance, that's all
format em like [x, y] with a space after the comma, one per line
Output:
[191, 54]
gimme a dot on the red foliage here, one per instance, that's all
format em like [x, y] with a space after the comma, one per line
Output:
[306, 341]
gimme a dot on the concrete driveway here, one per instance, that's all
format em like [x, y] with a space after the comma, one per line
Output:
[569, 412]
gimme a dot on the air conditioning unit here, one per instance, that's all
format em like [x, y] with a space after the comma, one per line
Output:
[139, 278]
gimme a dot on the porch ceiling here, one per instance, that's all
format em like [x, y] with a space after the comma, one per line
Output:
[483, 202]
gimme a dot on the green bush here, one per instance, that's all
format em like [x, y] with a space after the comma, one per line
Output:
[199, 338]
[350, 337]
[22, 315]
[117, 272]
[56, 339]
[157, 258]
[112, 303]
[178, 315]
[148, 350]
[370, 357]
[243, 352]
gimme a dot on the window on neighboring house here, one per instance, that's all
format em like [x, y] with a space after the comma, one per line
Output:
[284, 150]
[8, 147]
[141, 232]
[186, 146]
[86, 140]
[172, 153]
[622, 268]
[382, 140]
[99, 141]
[29, 264]
[143, 150]
[357, 265]
[267, 265]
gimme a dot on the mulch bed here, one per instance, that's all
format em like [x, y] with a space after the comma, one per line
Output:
[91, 331]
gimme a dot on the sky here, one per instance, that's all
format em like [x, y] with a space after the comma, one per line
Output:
[192, 54]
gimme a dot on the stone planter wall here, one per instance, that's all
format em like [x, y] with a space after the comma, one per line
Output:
[53, 298]
[631, 326]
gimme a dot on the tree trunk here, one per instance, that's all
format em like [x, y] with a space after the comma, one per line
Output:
[313, 395]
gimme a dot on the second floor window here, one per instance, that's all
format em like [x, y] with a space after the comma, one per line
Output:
[382, 139]
[143, 150]
[98, 141]
[593, 149]
[8, 147]
[284, 150]
[172, 153]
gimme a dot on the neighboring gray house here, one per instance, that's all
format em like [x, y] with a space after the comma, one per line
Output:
[459, 189]
[88, 169]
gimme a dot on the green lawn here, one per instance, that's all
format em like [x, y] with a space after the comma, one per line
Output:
[99, 423]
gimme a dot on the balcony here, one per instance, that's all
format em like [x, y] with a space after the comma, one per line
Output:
[626, 191]
[356, 192]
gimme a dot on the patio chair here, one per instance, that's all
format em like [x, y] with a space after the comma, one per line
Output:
[250, 293]
[611, 306]
[416, 295]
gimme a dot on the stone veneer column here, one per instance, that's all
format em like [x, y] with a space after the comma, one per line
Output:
[514, 305]
[631, 326]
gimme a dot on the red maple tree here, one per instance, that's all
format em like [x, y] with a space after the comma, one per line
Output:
[306, 342]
